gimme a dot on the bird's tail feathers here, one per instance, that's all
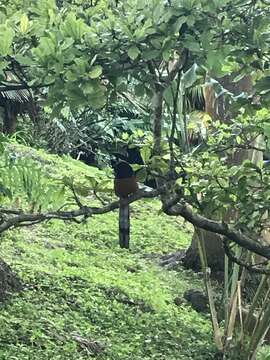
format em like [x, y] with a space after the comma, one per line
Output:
[124, 225]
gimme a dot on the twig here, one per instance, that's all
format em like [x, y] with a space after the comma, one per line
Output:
[99, 198]
[255, 268]
[78, 201]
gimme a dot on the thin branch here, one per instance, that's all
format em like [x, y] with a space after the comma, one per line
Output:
[255, 268]
[76, 198]
[174, 117]
[178, 66]
[238, 146]
[99, 198]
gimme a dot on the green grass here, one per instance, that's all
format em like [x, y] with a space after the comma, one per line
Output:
[77, 282]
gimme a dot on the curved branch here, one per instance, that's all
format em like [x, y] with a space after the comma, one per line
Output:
[174, 208]
[20, 218]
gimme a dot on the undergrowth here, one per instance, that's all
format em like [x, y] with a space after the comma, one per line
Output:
[84, 297]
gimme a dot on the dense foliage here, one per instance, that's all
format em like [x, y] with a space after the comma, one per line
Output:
[199, 70]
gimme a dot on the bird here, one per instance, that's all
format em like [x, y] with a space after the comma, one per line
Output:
[125, 184]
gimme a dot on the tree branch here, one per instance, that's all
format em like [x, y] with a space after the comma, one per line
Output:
[176, 68]
[255, 268]
[23, 219]
[173, 208]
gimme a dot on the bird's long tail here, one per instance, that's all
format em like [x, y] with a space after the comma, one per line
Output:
[124, 224]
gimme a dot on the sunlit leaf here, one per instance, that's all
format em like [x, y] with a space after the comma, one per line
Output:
[133, 52]
[95, 72]
[24, 24]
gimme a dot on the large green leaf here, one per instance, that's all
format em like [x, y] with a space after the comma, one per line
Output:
[145, 153]
[263, 85]
[47, 46]
[133, 52]
[73, 27]
[95, 72]
[192, 44]
[189, 77]
[6, 39]
[178, 24]
[24, 24]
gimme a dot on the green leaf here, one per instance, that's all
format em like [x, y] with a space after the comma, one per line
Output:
[166, 55]
[47, 47]
[82, 190]
[95, 72]
[24, 24]
[192, 44]
[139, 33]
[88, 88]
[263, 85]
[133, 52]
[156, 42]
[6, 39]
[98, 99]
[190, 76]
[150, 54]
[267, 130]
[239, 77]
[178, 24]
[238, 140]
[215, 61]
[24, 60]
[5, 191]
[158, 12]
[67, 44]
[146, 154]
[71, 76]
[206, 40]
[137, 167]
[93, 60]
[75, 95]
[74, 27]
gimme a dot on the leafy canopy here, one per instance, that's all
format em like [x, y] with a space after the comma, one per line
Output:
[80, 52]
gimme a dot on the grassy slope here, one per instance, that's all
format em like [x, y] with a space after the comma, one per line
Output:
[78, 282]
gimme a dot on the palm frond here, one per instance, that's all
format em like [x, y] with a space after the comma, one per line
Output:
[16, 96]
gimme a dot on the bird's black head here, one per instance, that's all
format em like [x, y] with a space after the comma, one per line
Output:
[123, 170]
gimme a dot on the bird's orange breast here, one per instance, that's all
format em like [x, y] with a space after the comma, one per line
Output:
[126, 186]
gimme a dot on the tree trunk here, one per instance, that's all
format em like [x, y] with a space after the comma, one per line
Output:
[9, 120]
[9, 282]
[219, 109]
[157, 120]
